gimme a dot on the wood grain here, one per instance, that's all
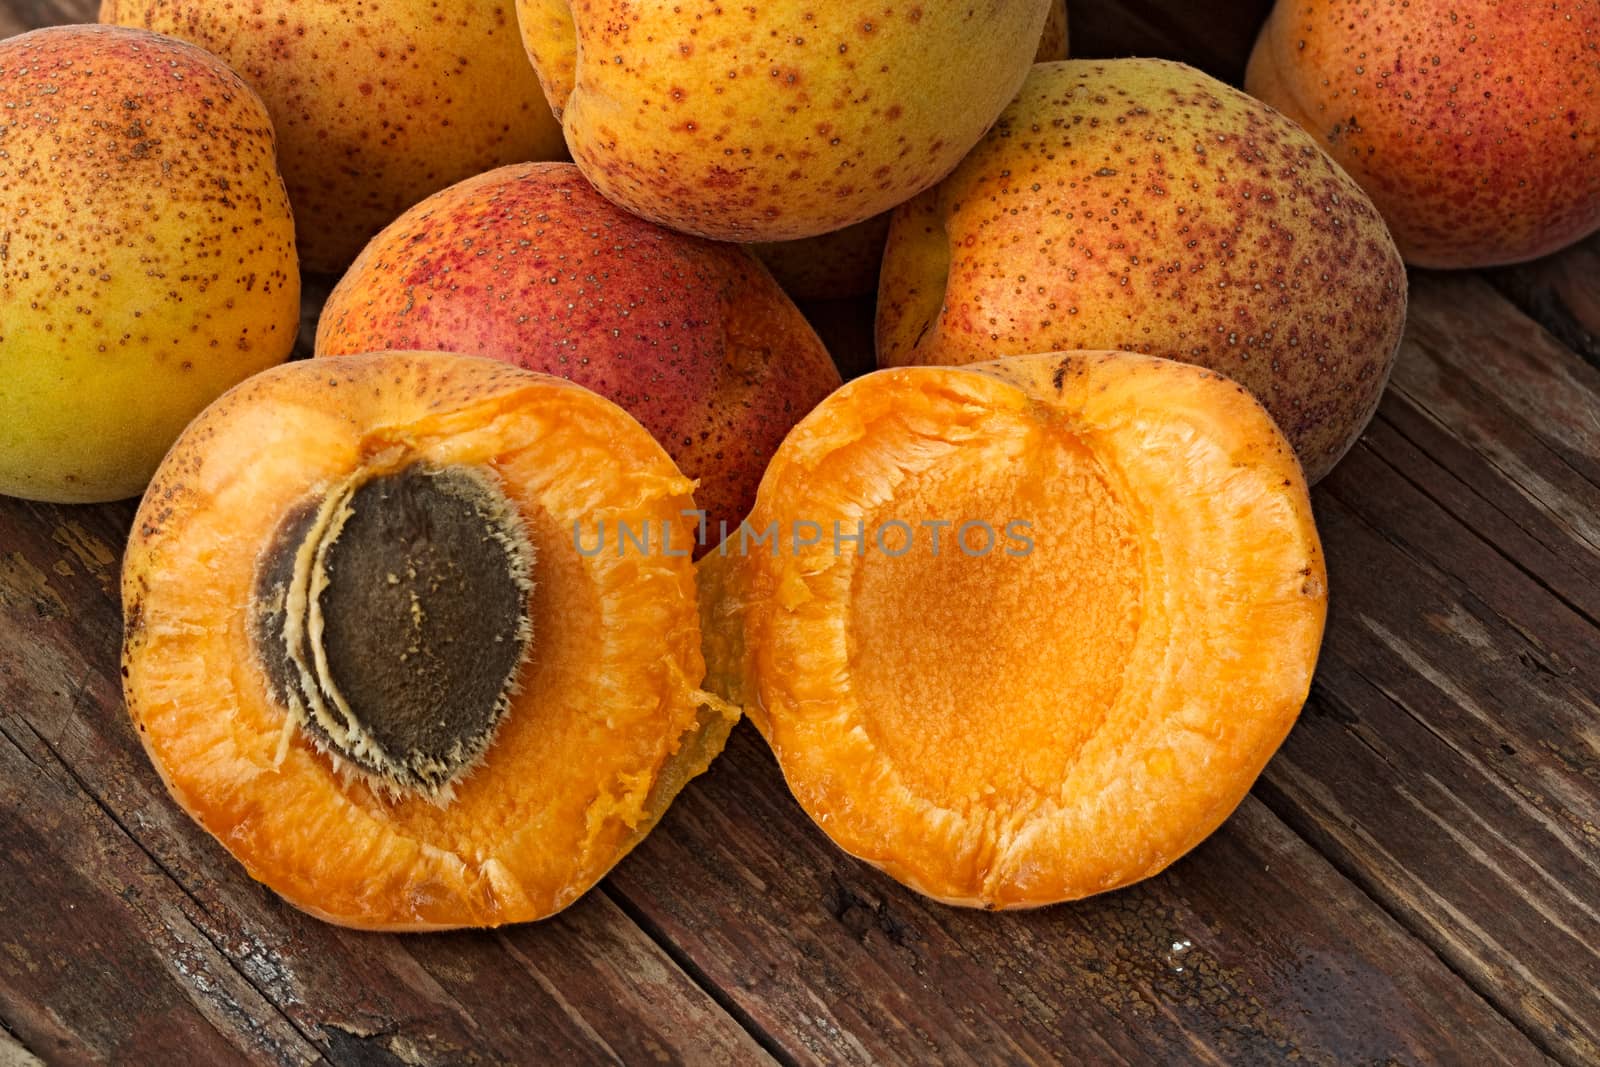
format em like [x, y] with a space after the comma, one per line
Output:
[1560, 293]
[19, 15]
[1450, 760]
[1252, 948]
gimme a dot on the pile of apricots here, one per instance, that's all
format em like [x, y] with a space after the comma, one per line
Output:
[429, 630]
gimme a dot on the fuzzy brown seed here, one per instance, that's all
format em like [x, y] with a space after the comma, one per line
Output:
[392, 617]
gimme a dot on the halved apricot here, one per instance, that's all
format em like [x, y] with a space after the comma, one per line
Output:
[1024, 631]
[370, 647]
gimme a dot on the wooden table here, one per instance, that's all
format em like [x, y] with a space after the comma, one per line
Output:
[1416, 877]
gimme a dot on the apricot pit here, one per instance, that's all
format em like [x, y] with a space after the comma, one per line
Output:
[432, 562]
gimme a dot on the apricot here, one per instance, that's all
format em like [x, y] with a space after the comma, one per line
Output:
[844, 263]
[780, 119]
[371, 647]
[1139, 204]
[377, 105]
[1475, 127]
[147, 257]
[530, 265]
[1023, 631]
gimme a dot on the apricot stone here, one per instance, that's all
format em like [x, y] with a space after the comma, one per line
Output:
[1142, 205]
[1028, 630]
[370, 647]
[1474, 126]
[778, 119]
[147, 257]
[377, 105]
[530, 265]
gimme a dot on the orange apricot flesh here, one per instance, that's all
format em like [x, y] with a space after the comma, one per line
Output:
[600, 723]
[1116, 631]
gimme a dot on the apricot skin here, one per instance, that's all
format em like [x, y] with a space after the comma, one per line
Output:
[147, 257]
[844, 263]
[1475, 127]
[1175, 593]
[1139, 204]
[779, 119]
[376, 104]
[530, 265]
[606, 726]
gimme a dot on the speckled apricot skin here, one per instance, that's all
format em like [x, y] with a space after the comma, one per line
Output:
[528, 264]
[1232, 606]
[377, 104]
[776, 120]
[606, 726]
[844, 263]
[1475, 127]
[147, 257]
[1140, 204]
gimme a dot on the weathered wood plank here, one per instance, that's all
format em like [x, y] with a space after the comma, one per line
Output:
[1559, 292]
[19, 15]
[1477, 829]
[314, 290]
[1252, 948]
[77, 984]
[88, 822]
[1450, 760]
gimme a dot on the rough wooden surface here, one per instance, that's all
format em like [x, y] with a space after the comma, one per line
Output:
[1416, 877]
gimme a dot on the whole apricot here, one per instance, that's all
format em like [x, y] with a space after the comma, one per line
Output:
[844, 263]
[380, 640]
[1475, 127]
[530, 265]
[1139, 204]
[1023, 631]
[147, 257]
[775, 120]
[377, 105]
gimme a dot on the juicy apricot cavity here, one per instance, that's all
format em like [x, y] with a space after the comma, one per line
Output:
[1025, 631]
[365, 649]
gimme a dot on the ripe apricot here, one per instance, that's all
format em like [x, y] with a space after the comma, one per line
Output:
[377, 105]
[530, 265]
[1143, 205]
[365, 649]
[1474, 126]
[1076, 606]
[147, 255]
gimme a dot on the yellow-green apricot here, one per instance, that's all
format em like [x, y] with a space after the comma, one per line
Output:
[844, 263]
[778, 119]
[147, 256]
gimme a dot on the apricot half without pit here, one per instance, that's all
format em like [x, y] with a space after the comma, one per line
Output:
[367, 648]
[1024, 631]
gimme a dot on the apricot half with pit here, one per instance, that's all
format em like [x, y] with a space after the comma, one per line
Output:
[1024, 631]
[370, 647]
